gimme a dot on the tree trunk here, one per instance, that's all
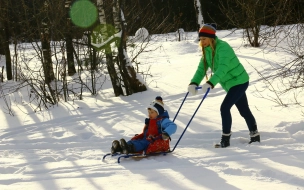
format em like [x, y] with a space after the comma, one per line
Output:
[5, 45]
[128, 73]
[92, 58]
[199, 14]
[46, 59]
[130, 83]
[69, 42]
[116, 83]
[108, 18]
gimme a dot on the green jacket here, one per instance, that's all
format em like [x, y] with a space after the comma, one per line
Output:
[228, 71]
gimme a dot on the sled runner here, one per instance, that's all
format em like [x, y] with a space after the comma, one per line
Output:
[134, 155]
[143, 154]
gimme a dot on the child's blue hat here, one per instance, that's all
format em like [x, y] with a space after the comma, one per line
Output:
[157, 106]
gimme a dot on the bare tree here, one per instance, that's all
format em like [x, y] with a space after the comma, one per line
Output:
[45, 45]
[293, 70]
[58, 47]
[5, 37]
[289, 39]
[199, 14]
[250, 15]
[123, 76]
[131, 82]
[69, 41]
[108, 30]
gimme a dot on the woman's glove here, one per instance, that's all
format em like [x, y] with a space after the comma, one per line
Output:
[205, 87]
[192, 89]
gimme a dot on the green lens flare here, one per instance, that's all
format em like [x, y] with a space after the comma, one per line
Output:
[83, 13]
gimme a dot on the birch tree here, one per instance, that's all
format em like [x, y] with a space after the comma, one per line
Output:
[123, 76]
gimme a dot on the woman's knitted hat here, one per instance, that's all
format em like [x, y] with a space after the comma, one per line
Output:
[157, 106]
[208, 30]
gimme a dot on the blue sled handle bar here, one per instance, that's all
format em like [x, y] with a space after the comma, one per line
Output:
[192, 115]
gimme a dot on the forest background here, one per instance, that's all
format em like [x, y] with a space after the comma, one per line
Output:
[74, 42]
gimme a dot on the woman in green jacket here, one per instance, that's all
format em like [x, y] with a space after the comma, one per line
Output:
[230, 73]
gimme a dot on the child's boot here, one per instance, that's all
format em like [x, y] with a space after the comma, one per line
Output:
[126, 148]
[115, 147]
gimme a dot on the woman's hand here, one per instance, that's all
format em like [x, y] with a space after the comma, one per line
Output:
[205, 87]
[192, 89]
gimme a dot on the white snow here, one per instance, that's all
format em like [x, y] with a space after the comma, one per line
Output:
[62, 148]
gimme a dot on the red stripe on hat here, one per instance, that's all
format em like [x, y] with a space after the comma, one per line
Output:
[207, 31]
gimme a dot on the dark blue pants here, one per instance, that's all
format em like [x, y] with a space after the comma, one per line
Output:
[237, 96]
[140, 144]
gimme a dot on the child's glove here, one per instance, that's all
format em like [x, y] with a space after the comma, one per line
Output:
[165, 136]
[138, 136]
[150, 138]
[192, 89]
[147, 120]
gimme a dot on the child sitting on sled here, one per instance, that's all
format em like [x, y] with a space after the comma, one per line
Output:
[156, 133]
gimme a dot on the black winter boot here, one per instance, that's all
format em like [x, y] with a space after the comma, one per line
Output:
[254, 136]
[126, 148]
[225, 141]
[115, 147]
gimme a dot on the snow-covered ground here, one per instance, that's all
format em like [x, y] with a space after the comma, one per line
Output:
[63, 147]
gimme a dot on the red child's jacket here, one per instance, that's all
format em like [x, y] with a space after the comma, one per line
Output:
[152, 132]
